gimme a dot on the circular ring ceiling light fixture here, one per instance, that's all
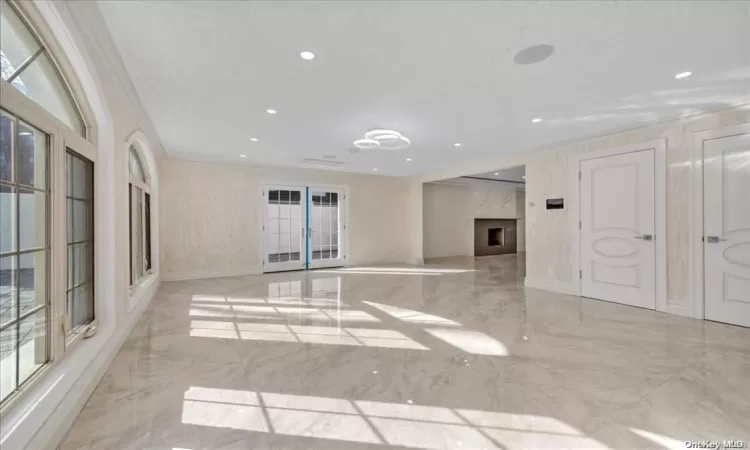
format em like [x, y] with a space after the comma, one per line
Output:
[380, 139]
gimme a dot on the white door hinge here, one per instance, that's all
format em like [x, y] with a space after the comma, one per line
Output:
[579, 174]
[579, 224]
[580, 274]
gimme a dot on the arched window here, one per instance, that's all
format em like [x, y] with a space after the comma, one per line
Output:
[140, 218]
[47, 257]
[27, 66]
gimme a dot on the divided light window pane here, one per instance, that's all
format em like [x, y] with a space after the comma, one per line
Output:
[6, 147]
[33, 72]
[17, 44]
[147, 221]
[43, 85]
[80, 204]
[24, 271]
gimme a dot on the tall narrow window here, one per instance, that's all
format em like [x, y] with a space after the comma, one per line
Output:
[24, 252]
[39, 214]
[140, 216]
[80, 216]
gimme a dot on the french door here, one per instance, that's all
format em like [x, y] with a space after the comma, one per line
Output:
[303, 228]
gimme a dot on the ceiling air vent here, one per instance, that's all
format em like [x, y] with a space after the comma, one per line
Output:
[322, 162]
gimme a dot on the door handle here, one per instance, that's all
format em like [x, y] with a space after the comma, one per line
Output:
[714, 239]
[645, 237]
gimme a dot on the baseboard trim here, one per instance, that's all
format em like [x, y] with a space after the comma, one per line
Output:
[552, 286]
[681, 310]
[211, 274]
[56, 418]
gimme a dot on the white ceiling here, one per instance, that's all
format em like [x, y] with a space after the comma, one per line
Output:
[439, 72]
[516, 174]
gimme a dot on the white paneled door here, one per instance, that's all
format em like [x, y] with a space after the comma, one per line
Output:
[726, 205]
[303, 228]
[618, 252]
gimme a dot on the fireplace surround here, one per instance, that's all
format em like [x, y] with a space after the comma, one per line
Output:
[495, 236]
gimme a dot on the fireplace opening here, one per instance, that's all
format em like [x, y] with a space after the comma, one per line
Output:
[495, 236]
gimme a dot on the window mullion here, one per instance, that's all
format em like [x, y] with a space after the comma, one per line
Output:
[17, 237]
[25, 64]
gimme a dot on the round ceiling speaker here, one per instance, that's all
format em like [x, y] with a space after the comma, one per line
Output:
[534, 54]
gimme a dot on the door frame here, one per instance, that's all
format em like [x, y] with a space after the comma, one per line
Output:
[660, 214]
[343, 212]
[696, 289]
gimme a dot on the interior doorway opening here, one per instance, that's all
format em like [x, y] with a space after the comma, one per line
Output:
[476, 215]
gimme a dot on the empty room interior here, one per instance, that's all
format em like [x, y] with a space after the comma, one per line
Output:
[365, 225]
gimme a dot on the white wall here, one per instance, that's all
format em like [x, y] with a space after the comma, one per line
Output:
[550, 174]
[446, 227]
[211, 216]
[521, 214]
[451, 207]
[76, 34]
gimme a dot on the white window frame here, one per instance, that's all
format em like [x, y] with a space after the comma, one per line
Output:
[134, 185]
[59, 341]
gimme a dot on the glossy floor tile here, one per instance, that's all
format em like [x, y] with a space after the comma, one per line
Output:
[453, 355]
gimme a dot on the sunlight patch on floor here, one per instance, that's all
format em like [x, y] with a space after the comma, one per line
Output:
[659, 439]
[411, 316]
[358, 337]
[279, 313]
[470, 341]
[417, 426]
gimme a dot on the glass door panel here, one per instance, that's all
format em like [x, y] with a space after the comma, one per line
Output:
[325, 248]
[284, 229]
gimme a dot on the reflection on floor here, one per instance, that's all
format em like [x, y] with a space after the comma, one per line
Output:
[453, 355]
[426, 427]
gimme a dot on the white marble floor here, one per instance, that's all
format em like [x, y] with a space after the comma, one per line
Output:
[453, 355]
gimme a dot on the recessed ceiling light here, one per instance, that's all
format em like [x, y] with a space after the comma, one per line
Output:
[497, 173]
[536, 120]
[457, 144]
[683, 75]
[408, 159]
[271, 111]
[307, 55]
[524, 177]
[409, 402]
[243, 156]
[375, 169]
[254, 139]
